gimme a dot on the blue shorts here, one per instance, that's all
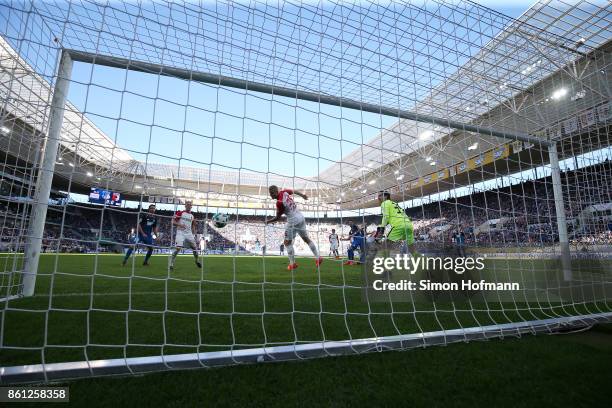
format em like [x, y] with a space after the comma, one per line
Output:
[148, 241]
[357, 242]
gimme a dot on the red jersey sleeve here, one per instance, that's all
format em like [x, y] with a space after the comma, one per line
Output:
[281, 195]
[280, 208]
[177, 215]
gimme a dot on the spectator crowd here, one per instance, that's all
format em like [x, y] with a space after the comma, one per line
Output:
[518, 215]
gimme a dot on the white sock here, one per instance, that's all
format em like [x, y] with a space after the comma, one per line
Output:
[290, 253]
[313, 248]
[174, 254]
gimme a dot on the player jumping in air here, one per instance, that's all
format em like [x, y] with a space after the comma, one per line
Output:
[147, 226]
[184, 221]
[296, 224]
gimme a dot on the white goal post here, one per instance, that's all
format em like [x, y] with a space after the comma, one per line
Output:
[38, 213]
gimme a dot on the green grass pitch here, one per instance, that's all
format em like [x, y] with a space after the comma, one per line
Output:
[571, 370]
[92, 308]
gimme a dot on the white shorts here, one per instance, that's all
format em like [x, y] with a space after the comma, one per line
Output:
[185, 240]
[333, 246]
[291, 230]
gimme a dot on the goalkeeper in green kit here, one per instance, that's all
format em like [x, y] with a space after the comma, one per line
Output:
[399, 237]
[401, 226]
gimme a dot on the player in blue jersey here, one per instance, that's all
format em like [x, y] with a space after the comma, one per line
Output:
[357, 240]
[147, 228]
[132, 236]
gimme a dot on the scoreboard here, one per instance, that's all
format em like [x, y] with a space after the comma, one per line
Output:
[101, 196]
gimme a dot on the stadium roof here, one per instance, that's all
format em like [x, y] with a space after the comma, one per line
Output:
[83, 145]
[543, 41]
[28, 98]
[517, 55]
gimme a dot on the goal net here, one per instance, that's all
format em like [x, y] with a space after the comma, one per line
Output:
[138, 144]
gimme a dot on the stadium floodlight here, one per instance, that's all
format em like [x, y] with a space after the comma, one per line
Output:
[192, 137]
[559, 93]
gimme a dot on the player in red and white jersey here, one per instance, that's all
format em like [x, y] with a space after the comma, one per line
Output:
[184, 221]
[295, 223]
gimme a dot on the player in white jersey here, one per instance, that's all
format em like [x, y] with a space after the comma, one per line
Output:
[296, 224]
[202, 244]
[334, 241]
[184, 221]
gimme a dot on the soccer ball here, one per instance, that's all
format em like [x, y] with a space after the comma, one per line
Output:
[220, 220]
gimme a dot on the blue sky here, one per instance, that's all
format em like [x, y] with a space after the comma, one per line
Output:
[170, 119]
[167, 120]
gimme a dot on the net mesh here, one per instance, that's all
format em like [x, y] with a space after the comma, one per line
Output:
[176, 102]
